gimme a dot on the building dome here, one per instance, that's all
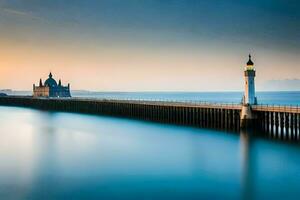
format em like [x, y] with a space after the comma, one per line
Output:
[50, 82]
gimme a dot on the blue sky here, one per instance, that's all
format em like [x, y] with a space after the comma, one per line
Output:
[137, 41]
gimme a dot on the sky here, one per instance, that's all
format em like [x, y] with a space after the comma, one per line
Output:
[150, 45]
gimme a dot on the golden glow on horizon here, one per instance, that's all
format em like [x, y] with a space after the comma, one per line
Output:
[135, 69]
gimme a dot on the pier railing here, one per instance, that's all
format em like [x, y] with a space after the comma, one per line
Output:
[199, 103]
[181, 102]
[166, 102]
[277, 108]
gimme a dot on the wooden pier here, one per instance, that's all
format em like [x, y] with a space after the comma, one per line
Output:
[282, 122]
[274, 121]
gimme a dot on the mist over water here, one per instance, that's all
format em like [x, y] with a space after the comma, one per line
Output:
[52, 155]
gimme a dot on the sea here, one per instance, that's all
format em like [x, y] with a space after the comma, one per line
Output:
[57, 155]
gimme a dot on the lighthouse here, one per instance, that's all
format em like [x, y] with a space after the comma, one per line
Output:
[249, 74]
[247, 116]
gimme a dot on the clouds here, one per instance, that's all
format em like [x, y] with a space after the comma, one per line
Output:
[16, 12]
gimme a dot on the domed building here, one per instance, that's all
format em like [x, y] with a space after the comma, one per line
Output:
[51, 89]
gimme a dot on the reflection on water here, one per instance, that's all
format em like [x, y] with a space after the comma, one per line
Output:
[71, 156]
[246, 162]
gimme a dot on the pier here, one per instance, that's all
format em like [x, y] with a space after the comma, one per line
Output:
[282, 122]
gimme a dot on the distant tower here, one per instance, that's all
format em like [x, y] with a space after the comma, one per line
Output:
[249, 96]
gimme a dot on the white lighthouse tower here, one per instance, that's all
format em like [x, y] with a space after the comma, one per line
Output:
[249, 96]
[248, 118]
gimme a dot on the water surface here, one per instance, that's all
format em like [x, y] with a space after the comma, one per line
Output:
[46, 155]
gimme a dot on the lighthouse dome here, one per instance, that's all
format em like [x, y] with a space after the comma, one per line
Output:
[250, 63]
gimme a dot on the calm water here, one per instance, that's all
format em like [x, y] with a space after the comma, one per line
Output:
[72, 156]
[278, 98]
